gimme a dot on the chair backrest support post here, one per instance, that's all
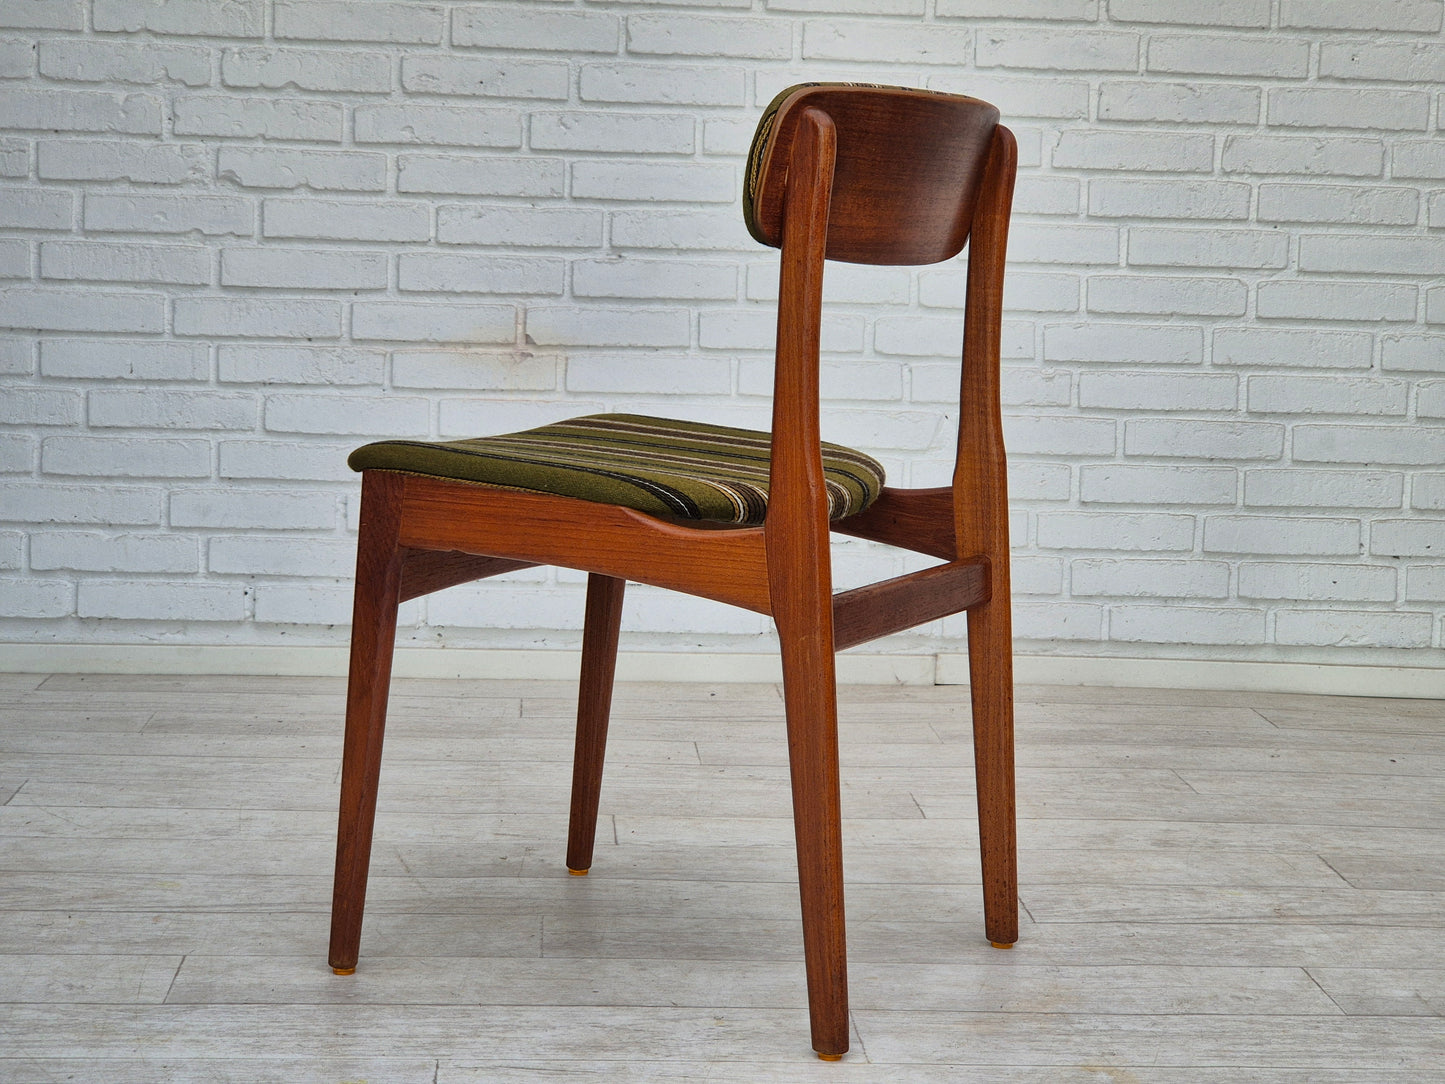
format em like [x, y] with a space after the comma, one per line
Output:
[796, 480]
[979, 483]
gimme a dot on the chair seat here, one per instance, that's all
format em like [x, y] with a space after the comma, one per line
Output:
[680, 469]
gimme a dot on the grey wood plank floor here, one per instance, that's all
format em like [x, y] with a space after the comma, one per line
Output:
[1216, 888]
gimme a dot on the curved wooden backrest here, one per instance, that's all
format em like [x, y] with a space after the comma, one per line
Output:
[907, 175]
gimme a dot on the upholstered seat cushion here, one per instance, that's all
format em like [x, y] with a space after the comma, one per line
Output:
[672, 468]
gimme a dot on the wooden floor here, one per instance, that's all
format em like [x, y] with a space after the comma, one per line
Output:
[1216, 888]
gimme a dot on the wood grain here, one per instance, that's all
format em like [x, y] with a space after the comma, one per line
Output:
[602, 627]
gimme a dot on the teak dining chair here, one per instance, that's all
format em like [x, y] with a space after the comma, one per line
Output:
[871, 175]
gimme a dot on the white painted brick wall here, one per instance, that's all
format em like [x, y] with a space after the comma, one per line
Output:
[237, 239]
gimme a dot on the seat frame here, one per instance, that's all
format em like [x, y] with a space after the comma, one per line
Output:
[420, 534]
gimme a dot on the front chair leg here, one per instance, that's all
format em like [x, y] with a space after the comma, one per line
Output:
[990, 659]
[373, 636]
[594, 705]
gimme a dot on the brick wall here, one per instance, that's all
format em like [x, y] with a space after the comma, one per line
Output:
[238, 239]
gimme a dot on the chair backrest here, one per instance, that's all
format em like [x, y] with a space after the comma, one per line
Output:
[907, 175]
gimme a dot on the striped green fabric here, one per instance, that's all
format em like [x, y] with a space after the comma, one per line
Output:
[687, 470]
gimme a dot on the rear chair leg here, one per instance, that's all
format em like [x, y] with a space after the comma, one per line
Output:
[990, 660]
[594, 705]
[373, 636]
[810, 700]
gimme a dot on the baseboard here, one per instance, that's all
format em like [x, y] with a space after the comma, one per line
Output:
[719, 666]
[1326, 679]
[436, 662]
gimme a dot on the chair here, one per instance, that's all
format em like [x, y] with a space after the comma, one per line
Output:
[870, 175]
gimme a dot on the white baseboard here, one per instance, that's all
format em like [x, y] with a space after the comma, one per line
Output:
[1326, 679]
[853, 668]
[437, 662]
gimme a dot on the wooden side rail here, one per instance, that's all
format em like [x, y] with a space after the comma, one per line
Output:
[531, 528]
[866, 613]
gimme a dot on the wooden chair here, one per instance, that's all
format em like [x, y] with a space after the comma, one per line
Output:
[860, 174]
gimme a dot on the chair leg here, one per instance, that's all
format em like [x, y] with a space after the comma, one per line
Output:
[990, 659]
[373, 636]
[810, 699]
[594, 705]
